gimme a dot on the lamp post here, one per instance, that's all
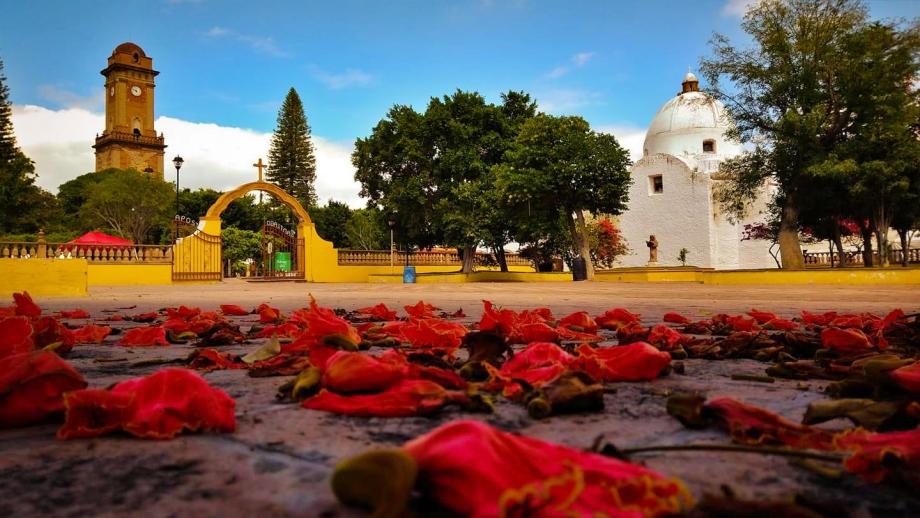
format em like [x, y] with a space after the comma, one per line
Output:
[392, 224]
[178, 163]
[148, 171]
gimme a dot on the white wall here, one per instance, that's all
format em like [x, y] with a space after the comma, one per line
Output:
[678, 217]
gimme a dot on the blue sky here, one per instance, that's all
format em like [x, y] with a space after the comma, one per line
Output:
[230, 63]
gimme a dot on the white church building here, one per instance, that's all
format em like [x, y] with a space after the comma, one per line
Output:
[671, 196]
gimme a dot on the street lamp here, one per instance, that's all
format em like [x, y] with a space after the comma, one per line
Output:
[178, 163]
[148, 171]
[392, 224]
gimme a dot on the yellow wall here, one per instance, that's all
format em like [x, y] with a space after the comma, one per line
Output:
[43, 277]
[129, 274]
[858, 276]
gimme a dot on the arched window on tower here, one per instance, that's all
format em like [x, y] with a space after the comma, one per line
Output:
[709, 146]
[136, 127]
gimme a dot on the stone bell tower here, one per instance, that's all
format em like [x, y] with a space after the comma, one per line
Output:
[129, 139]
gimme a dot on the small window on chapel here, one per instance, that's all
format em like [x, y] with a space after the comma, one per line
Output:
[656, 184]
[709, 146]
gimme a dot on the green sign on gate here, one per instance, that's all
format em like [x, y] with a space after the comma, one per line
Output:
[282, 261]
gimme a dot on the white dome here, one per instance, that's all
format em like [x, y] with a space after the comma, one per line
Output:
[688, 120]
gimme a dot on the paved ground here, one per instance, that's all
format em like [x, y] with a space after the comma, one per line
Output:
[278, 461]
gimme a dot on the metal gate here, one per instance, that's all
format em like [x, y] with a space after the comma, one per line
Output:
[280, 252]
[197, 258]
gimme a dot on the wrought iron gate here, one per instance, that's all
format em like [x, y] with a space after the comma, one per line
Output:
[197, 257]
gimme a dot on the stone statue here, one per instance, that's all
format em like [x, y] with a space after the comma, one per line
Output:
[652, 245]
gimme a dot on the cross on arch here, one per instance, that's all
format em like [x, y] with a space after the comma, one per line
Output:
[259, 165]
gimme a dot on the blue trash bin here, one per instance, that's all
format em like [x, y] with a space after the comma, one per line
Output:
[409, 275]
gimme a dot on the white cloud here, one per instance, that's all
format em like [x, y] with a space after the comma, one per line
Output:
[565, 101]
[219, 157]
[264, 44]
[350, 77]
[630, 137]
[577, 61]
[737, 7]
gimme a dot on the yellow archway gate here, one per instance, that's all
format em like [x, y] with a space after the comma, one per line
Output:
[198, 256]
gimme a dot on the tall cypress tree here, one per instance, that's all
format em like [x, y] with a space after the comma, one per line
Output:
[291, 162]
[7, 137]
[24, 206]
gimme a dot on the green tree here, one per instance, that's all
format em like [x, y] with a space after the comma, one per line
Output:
[129, 204]
[24, 206]
[239, 246]
[394, 167]
[787, 98]
[292, 164]
[557, 170]
[331, 222]
[366, 230]
[433, 172]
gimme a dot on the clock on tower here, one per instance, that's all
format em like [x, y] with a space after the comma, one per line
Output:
[129, 140]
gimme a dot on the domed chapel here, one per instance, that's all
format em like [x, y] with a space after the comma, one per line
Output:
[671, 196]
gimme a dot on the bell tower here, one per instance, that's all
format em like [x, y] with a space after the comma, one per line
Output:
[129, 139]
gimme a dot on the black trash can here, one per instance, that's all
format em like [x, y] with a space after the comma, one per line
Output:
[579, 269]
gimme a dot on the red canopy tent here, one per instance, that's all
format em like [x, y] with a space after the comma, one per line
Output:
[95, 238]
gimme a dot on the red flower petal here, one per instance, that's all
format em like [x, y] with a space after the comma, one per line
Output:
[664, 337]
[32, 385]
[379, 312]
[420, 310]
[232, 310]
[91, 334]
[473, 469]
[675, 318]
[49, 331]
[144, 337]
[15, 336]
[268, 314]
[748, 424]
[847, 341]
[323, 322]
[908, 377]
[616, 318]
[25, 306]
[762, 317]
[158, 406]
[579, 321]
[183, 312]
[350, 372]
[436, 333]
[405, 399]
[635, 362]
[781, 324]
[75, 314]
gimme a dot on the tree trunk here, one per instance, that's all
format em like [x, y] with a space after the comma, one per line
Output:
[866, 233]
[838, 244]
[469, 258]
[881, 241]
[790, 250]
[905, 247]
[582, 242]
[500, 257]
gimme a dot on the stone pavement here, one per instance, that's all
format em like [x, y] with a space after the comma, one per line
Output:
[278, 461]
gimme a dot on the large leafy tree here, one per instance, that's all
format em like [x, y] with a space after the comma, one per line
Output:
[394, 167]
[433, 172]
[24, 206]
[331, 221]
[292, 164]
[787, 97]
[129, 204]
[558, 169]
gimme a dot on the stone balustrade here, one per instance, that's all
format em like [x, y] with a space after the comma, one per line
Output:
[149, 254]
[856, 258]
[421, 258]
